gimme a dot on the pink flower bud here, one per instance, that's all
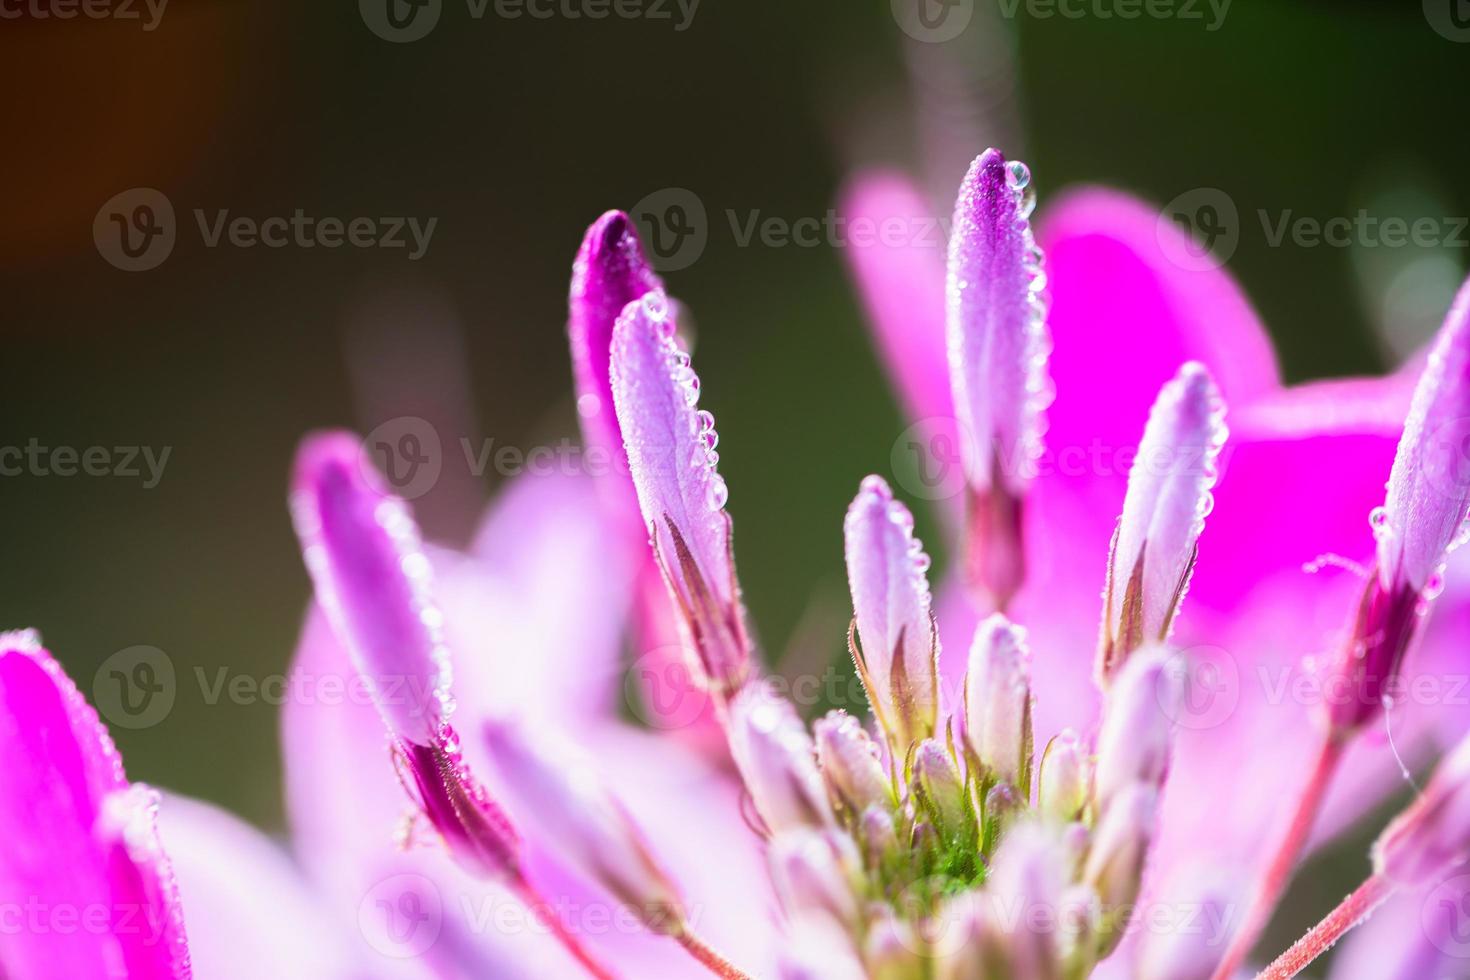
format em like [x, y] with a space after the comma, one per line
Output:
[817, 872]
[1026, 888]
[1138, 724]
[1164, 512]
[1432, 836]
[998, 701]
[777, 762]
[898, 658]
[561, 793]
[940, 790]
[850, 763]
[1114, 866]
[671, 453]
[1429, 489]
[879, 836]
[996, 332]
[1064, 777]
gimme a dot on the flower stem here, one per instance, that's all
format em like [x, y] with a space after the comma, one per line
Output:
[543, 910]
[702, 952]
[1353, 910]
[1284, 857]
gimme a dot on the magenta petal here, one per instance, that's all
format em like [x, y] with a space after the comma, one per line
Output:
[363, 551]
[996, 325]
[896, 254]
[81, 851]
[1124, 317]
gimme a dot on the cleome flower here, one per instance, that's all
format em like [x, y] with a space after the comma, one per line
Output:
[1026, 794]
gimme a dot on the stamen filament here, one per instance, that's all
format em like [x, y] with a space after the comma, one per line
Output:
[706, 955]
[546, 913]
[1353, 910]
[1284, 857]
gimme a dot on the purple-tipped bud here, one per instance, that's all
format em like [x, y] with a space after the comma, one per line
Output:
[671, 453]
[940, 789]
[998, 702]
[850, 763]
[777, 762]
[562, 793]
[898, 651]
[817, 872]
[372, 578]
[610, 272]
[1164, 512]
[1026, 887]
[996, 334]
[1115, 863]
[1432, 836]
[1429, 487]
[1063, 779]
[1138, 724]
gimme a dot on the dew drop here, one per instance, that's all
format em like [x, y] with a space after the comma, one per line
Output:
[716, 494]
[1018, 175]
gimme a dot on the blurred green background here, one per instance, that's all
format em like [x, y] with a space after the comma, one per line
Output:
[515, 134]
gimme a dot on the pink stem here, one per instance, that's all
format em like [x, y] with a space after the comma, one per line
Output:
[717, 964]
[1283, 861]
[544, 911]
[1353, 910]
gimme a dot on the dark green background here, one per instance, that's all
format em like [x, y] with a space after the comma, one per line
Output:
[516, 135]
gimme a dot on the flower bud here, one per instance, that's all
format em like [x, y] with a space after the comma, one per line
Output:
[818, 949]
[817, 872]
[1164, 512]
[777, 762]
[1026, 886]
[670, 446]
[879, 837]
[965, 941]
[1138, 725]
[1191, 953]
[1064, 774]
[998, 702]
[1114, 866]
[898, 659]
[891, 950]
[1429, 488]
[1081, 918]
[1432, 836]
[996, 333]
[940, 789]
[850, 763]
[562, 795]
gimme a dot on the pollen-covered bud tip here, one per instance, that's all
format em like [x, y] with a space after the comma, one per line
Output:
[561, 793]
[998, 346]
[1164, 511]
[1137, 734]
[897, 653]
[998, 701]
[777, 762]
[1432, 836]
[610, 272]
[1424, 512]
[671, 454]
[850, 763]
[373, 580]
